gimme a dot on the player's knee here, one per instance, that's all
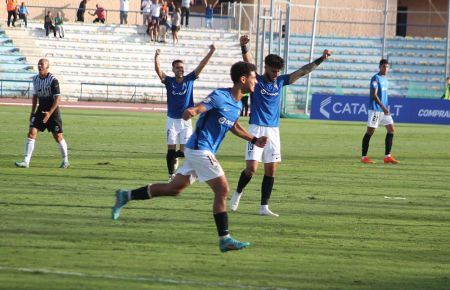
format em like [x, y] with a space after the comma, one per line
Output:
[250, 171]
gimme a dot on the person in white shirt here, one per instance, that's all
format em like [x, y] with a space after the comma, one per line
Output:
[153, 26]
[145, 7]
[124, 6]
[185, 5]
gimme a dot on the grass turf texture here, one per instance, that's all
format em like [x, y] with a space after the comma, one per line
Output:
[336, 229]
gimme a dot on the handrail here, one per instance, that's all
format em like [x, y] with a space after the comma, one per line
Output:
[24, 92]
[108, 85]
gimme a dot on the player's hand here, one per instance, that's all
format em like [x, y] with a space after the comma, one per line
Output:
[46, 117]
[212, 47]
[386, 111]
[188, 114]
[326, 53]
[157, 52]
[244, 40]
[261, 141]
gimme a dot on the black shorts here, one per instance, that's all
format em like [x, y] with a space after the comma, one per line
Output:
[54, 123]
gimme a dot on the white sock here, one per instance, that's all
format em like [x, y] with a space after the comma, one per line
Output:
[389, 155]
[29, 147]
[224, 237]
[264, 207]
[63, 148]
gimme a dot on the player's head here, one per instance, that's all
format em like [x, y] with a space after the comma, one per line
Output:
[43, 65]
[243, 74]
[384, 66]
[178, 68]
[273, 64]
[448, 80]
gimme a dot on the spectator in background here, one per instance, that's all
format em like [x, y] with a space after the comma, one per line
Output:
[176, 18]
[153, 27]
[209, 13]
[172, 8]
[145, 7]
[23, 13]
[11, 7]
[59, 24]
[244, 101]
[163, 25]
[48, 24]
[185, 6]
[446, 95]
[81, 10]
[100, 13]
[124, 7]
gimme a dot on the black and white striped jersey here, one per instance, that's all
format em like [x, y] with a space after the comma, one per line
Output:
[46, 89]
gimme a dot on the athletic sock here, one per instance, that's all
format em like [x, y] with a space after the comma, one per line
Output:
[266, 189]
[171, 160]
[29, 147]
[365, 144]
[388, 143]
[141, 193]
[63, 148]
[243, 181]
[221, 220]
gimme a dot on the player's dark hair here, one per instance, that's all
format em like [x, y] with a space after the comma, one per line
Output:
[176, 61]
[275, 61]
[241, 69]
[384, 61]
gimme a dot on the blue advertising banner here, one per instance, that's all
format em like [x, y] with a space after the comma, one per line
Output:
[354, 108]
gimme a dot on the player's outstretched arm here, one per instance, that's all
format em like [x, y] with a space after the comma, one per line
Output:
[306, 69]
[241, 132]
[246, 56]
[158, 70]
[194, 111]
[205, 60]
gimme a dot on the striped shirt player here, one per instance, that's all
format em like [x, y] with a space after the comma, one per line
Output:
[180, 96]
[378, 113]
[219, 113]
[265, 104]
[46, 115]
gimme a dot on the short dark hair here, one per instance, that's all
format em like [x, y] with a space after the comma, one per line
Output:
[241, 69]
[274, 61]
[384, 61]
[176, 61]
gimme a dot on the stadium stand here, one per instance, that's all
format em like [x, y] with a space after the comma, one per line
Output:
[98, 62]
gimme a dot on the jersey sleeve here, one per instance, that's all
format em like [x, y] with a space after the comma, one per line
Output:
[283, 80]
[211, 101]
[55, 88]
[374, 83]
[35, 94]
[191, 76]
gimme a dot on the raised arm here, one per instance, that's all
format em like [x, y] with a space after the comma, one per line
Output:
[306, 69]
[241, 132]
[205, 60]
[158, 70]
[194, 111]
[246, 56]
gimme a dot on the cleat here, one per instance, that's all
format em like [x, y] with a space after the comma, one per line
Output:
[64, 164]
[366, 160]
[171, 177]
[121, 200]
[234, 201]
[22, 164]
[267, 212]
[391, 160]
[230, 244]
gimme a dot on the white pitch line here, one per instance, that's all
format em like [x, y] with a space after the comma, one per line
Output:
[146, 279]
[92, 107]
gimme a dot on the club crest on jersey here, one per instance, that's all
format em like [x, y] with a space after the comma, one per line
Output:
[226, 122]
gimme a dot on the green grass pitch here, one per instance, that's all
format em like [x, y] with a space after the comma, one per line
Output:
[342, 224]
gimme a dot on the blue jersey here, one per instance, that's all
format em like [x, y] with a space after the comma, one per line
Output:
[179, 96]
[222, 112]
[380, 83]
[265, 101]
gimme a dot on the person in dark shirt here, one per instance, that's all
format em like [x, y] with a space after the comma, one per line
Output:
[81, 10]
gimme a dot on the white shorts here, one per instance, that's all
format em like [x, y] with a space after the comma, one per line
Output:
[201, 164]
[376, 118]
[271, 152]
[178, 131]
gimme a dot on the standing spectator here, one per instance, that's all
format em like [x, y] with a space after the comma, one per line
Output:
[244, 101]
[209, 13]
[172, 8]
[59, 24]
[48, 24]
[46, 115]
[145, 7]
[81, 10]
[124, 6]
[185, 5]
[163, 25]
[100, 13]
[219, 113]
[11, 6]
[180, 96]
[446, 95]
[378, 113]
[176, 18]
[153, 27]
[23, 13]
